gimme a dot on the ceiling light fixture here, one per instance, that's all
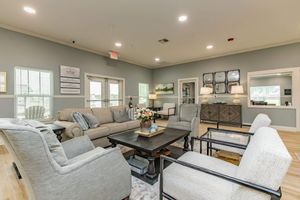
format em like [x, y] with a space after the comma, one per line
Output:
[157, 59]
[209, 46]
[29, 10]
[182, 18]
[118, 44]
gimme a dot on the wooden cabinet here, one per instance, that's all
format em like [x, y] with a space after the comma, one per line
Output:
[222, 113]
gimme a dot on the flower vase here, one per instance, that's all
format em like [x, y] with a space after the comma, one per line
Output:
[145, 125]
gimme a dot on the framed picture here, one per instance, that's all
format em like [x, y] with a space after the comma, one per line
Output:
[233, 75]
[287, 91]
[72, 72]
[220, 77]
[230, 84]
[164, 88]
[208, 78]
[3, 82]
[69, 91]
[69, 80]
[70, 85]
[220, 88]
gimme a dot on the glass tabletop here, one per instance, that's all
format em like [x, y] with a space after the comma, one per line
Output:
[226, 136]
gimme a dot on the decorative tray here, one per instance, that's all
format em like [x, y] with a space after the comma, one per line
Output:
[160, 130]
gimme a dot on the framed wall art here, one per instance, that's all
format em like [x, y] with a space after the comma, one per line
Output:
[208, 78]
[69, 80]
[164, 88]
[233, 75]
[3, 82]
[220, 77]
[220, 88]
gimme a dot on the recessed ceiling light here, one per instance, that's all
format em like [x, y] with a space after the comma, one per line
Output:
[209, 46]
[182, 18]
[29, 10]
[157, 59]
[118, 44]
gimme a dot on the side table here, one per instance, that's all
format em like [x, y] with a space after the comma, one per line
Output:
[58, 130]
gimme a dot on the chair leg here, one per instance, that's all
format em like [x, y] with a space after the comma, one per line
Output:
[17, 170]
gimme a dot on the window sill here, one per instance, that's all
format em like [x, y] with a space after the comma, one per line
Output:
[272, 107]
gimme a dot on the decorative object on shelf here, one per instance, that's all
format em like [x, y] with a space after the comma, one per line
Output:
[3, 82]
[205, 91]
[157, 131]
[220, 77]
[152, 97]
[145, 116]
[287, 91]
[236, 90]
[208, 78]
[221, 81]
[220, 88]
[233, 75]
[69, 80]
[164, 88]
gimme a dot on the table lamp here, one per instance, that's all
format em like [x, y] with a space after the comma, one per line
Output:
[205, 91]
[236, 90]
[152, 97]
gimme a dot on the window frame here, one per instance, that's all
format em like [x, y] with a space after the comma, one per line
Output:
[146, 97]
[51, 96]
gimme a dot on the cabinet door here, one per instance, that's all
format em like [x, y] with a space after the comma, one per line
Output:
[204, 114]
[209, 112]
[224, 113]
[234, 113]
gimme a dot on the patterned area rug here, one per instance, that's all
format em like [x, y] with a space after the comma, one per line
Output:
[298, 155]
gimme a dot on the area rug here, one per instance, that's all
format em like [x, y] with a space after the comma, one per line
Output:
[298, 155]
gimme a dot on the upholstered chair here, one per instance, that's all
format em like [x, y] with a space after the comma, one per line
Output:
[71, 170]
[259, 175]
[261, 120]
[169, 109]
[187, 119]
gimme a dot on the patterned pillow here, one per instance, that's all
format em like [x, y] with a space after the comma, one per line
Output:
[92, 121]
[120, 115]
[77, 117]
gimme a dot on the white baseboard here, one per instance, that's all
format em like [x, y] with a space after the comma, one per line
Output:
[286, 128]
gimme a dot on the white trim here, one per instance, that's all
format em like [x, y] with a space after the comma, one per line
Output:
[286, 128]
[6, 96]
[167, 97]
[187, 80]
[272, 107]
[68, 96]
[86, 89]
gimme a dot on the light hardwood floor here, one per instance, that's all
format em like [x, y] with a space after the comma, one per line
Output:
[13, 189]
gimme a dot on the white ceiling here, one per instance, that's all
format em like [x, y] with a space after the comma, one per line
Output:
[96, 25]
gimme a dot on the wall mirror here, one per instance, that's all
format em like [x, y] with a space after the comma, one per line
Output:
[2, 82]
[271, 88]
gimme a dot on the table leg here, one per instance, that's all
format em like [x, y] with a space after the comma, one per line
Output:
[151, 168]
[186, 143]
[210, 149]
[113, 145]
[192, 144]
[59, 137]
[17, 170]
[207, 148]
[200, 146]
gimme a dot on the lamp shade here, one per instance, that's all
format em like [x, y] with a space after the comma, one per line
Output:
[152, 96]
[237, 89]
[205, 90]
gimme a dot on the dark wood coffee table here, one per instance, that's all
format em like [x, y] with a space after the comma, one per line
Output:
[150, 146]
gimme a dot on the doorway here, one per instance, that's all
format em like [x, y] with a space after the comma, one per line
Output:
[188, 91]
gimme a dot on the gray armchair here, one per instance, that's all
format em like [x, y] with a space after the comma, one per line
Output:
[72, 170]
[187, 119]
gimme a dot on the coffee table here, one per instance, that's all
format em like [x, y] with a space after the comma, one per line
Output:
[151, 146]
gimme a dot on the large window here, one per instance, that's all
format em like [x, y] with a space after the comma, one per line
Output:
[143, 93]
[268, 94]
[33, 87]
[104, 91]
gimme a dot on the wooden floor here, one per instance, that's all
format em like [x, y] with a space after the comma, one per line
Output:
[13, 189]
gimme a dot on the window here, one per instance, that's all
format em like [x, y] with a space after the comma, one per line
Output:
[103, 91]
[268, 94]
[143, 93]
[33, 87]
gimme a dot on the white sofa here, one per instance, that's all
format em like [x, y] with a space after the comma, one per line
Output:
[98, 135]
[198, 177]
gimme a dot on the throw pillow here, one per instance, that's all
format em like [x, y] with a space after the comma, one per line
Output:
[92, 121]
[77, 117]
[120, 115]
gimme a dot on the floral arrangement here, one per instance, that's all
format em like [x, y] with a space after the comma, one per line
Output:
[144, 114]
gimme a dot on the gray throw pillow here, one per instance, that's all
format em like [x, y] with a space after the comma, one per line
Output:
[92, 121]
[78, 118]
[120, 115]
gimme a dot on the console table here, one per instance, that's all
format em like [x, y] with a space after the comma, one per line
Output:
[222, 113]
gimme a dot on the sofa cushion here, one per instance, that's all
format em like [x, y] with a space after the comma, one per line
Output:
[188, 112]
[132, 124]
[91, 120]
[78, 118]
[115, 127]
[188, 184]
[120, 115]
[104, 115]
[66, 114]
[98, 132]
[182, 125]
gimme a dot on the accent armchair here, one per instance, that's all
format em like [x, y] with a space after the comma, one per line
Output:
[187, 119]
[35, 112]
[73, 170]
[168, 109]
[261, 171]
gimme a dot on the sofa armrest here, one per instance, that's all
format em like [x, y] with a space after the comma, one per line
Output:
[274, 194]
[77, 146]
[71, 129]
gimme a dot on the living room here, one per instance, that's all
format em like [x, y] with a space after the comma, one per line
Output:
[168, 104]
